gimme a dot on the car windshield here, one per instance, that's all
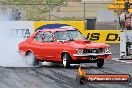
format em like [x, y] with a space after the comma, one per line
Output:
[69, 35]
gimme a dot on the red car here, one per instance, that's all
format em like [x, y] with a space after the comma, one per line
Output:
[67, 46]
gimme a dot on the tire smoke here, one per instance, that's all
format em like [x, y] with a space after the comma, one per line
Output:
[9, 57]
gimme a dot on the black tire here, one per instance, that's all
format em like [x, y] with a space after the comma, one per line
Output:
[66, 60]
[34, 62]
[100, 63]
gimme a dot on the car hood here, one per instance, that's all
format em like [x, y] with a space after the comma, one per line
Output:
[86, 44]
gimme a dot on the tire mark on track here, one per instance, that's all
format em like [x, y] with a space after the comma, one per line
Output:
[73, 81]
[65, 79]
[32, 73]
[42, 74]
[62, 80]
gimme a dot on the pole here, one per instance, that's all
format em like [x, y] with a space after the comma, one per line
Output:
[84, 16]
[84, 11]
[49, 11]
[118, 11]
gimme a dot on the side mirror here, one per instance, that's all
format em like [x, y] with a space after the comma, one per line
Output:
[34, 36]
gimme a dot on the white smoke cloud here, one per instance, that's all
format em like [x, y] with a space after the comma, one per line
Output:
[9, 57]
[9, 40]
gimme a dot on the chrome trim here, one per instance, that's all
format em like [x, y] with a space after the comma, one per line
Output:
[92, 54]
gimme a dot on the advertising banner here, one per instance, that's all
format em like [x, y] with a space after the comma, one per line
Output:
[106, 36]
[21, 29]
[57, 24]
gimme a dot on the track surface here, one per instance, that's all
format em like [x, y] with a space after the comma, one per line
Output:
[55, 76]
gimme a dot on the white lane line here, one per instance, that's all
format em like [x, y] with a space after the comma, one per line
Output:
[123, 61]
[128, 62]
[115, 58]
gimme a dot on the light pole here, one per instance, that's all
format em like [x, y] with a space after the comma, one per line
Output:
[49, 10]
[84, 11]
[118, 14]
[84, 16]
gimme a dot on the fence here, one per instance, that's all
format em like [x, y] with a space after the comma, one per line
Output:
[70, 11]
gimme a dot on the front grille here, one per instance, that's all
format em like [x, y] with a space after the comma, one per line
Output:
[100, 50]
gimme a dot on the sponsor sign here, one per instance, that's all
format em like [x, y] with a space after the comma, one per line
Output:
[106, 36]
[24, 29]
[82, 77]
[17, 29]
[57, 24]
[21, 29]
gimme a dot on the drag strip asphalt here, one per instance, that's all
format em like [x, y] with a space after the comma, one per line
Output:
[56, 76]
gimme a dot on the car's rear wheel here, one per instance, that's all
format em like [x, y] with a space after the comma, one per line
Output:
[31, 59]
[66, 60]
[100, 63]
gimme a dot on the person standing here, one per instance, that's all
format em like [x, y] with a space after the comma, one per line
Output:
[127, 5]
[122, 18]
[128, 20]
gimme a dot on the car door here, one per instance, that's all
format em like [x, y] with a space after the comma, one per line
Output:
[45, 46]
[37, 46]
[48, 47]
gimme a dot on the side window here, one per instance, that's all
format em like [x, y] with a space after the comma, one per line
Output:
[43, 37]
[56, 35]
[38, 37]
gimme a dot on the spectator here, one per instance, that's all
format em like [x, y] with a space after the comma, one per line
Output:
[128, 21]
[127, 5]
[17, 14]
[122, 18]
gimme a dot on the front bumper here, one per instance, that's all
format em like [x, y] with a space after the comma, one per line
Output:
[91, 54]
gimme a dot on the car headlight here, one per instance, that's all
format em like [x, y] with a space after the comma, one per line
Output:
[107, 50]
[80, 51]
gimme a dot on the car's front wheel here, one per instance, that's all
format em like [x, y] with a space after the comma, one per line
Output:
[100, 63]
[31, 60]
[66, 60]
